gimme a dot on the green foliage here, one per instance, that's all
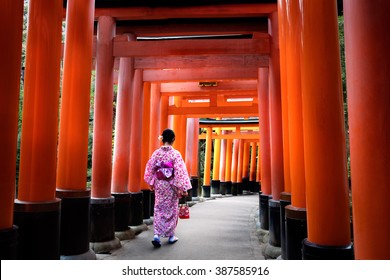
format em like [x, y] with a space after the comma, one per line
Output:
[342, 54]
[344, 85]
[25, 21]
[90, 134]
[21, 93]
[201, 159]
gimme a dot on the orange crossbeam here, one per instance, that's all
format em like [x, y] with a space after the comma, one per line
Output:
[191, 47]
[196, 61]
[212, 11]
[225, 85]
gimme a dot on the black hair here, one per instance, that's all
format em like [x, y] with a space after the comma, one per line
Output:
[168, 136]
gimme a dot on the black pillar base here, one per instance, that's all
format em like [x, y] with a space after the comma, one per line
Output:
[121, 211]
[274, 222]
[39, 229]
[234, 188]
[239, 188]
[264, 211]
[229, 187]
[252, 186]
[103, 225]
[136, 209]
[146, 204]
[215, 186]
[258, 187]
[152, 198]
[312, 251]
[296, 231]
[194, 184]
[245, 184]
[9, 243]
[205, 191]
[223, 188]
[285, 196]
[102, 219]
[75, 215]
[285, 199]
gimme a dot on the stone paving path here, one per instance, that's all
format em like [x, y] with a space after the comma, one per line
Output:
[218, 229]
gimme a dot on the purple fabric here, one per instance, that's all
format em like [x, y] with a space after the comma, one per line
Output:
[167, 191]
[164, 170]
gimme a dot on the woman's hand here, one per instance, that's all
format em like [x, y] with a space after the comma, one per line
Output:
[181, 193]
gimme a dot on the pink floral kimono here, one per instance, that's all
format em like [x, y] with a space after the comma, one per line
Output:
[166, 190]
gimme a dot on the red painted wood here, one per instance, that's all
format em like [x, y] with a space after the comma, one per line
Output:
[11, 22]
[191, 47]
[228, 164]
[327, 199]
[136, 137]
[276, 129]
[253, 164]
[264, 131]
[295, 117]
[75, 98]
[195, 144]
[164, 102]
[154, 126]
[238, 111]
[234, 165]
[38, 158]
[196, 61]
[240, 160]
[216, 155]
[212, 11]
[120, 168]
[241, 85]
[230, 26]
[103, 111]
[212, 94]
[258, 167]
[199, 74]
[207, 159]
[222, 167]
[284, 94]
[145, 133]
[367, 59]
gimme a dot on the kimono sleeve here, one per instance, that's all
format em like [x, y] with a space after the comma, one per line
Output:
[149, 175]
[181, 178]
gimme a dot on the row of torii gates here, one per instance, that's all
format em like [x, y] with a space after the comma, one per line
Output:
[287, 74]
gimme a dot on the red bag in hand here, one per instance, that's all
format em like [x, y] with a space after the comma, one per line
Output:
[184, 211]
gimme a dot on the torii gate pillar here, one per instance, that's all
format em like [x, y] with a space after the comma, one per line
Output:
[367, 60]
[74, 129]
[37, 210]
[102, 203]
[327, 199]
[11, 21]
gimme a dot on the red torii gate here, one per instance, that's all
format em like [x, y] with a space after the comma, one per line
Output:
[312, 145]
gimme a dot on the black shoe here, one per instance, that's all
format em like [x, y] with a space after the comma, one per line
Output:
[156, 242]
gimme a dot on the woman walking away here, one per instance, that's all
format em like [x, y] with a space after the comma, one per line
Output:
[167, 175]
